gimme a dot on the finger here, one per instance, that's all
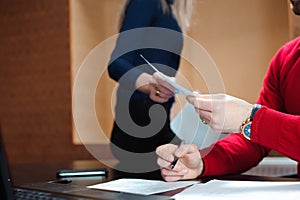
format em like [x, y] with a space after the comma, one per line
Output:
[191, 99]
[205, 121]
[166, 152]
[158, 78]
[158, 99]
[166, 91]
[204, 114]
[196, 101]
[171, 178]
[169, 175]
[163, 92]
[185, 149]
[163, 163]
[162, 81]
[156, 95]
[166, 157]
[165, 96]
[159, 93]
[168, 172]
[202, 103]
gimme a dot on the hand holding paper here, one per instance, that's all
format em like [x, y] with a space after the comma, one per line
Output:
[170, 81]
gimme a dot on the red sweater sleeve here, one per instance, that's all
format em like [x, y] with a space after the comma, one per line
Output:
[233, 154]
[278, 131]
[275, 126]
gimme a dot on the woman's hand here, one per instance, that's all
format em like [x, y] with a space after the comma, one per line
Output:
[160, 90]
[222, 112]
[188, 166]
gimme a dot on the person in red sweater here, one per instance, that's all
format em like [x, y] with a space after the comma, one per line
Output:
[272, 123]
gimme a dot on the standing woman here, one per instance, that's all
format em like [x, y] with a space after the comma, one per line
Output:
[142, 111]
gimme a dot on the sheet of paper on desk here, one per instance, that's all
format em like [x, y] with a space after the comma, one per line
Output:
[240, 190]
[141, 186]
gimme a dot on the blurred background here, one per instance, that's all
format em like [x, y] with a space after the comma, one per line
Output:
[44, 42]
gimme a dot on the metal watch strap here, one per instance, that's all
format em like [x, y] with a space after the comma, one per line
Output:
[255, 108]
[246, 125]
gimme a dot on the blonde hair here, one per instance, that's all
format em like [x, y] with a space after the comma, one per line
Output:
[182, 10]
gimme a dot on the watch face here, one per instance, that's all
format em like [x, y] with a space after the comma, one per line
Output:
[247, 130]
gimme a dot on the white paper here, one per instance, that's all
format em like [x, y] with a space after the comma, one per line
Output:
[274, 166]
[178, 87]
[188, 126]
[233, 190]
[141, 186]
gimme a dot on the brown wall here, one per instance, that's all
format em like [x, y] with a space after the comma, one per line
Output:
[35, 102]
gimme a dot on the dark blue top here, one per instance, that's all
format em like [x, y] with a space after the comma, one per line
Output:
[141, 13]
[162, 47]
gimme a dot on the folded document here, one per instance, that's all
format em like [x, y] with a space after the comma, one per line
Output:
[141, 186]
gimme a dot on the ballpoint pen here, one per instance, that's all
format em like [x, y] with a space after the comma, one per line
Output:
[174, 162]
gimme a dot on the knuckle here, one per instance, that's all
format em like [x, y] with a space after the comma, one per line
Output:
[194, 147]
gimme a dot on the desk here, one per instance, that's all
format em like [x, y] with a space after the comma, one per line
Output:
[41, 172]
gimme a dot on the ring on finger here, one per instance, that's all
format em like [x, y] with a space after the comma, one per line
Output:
[157, 93]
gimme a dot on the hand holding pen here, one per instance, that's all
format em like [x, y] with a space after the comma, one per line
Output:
[174, 162]
[179, 162]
